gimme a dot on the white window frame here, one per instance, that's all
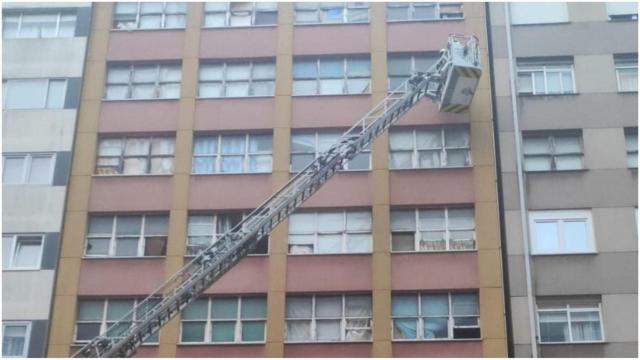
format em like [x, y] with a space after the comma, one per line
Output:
[555, 19]
[27, 336]
[122, 157]
[413, 70]
[569, 309]
[316, 134]
[619, 16]
[215, 235]
[558, 217]
[111, 252]
[411, 9]
[553, 154]
[415, 163]
[523, 69]
[344, 233]
[627, 133]
[343, 320]
[138, 14]
[223, 81]
[228, 12]
[345, 77]
[46, 97]
[246, 155]
[346, 6]
[420, 318]
[14, 241]
[157, 84]
[26, 167]
[59, 14]
[622, 66]
[238, 323]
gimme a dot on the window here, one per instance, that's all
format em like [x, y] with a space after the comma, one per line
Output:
[223, 14]
[135, 156]
[561, 232]
[523, 13]
[34, 93]
[246, 153]
[398, 11]
[447, 229]
[622, 10]
[552, 152]
[237, 79]
[143, 81]
[95, 316]
[22, 252]
[205, 229]
[429, 148]
[149, 15]
[328, 318]
[400, 67]
[32, 169]
[305, 147]
[546, 77]
[34, 25]
[224, 320]
[627, 72]
[330, 232]
[127, 235]
[435, 316]
[331, 12]
[331, 76]
[580, 323]
[631, 141]
[15, 338]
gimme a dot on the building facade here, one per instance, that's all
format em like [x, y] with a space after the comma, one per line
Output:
[565, 86]
[42, 62]
[191, 114]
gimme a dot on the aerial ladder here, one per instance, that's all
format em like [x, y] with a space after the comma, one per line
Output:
[451, 81]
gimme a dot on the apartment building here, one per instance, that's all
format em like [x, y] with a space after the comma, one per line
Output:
[566, 106]
[42, 61]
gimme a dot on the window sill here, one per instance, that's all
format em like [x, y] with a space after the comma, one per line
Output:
[630, 19]
[106, 257]
[129, 175]
[628, 92]
[233, 173]
[331, 95]
[236, 97]
[435, 169]
[544, 23]
[326, 342]
[573, 343]
[29, 185]
[41, 38]
[531, 95]
[339, 171]
[151, 29]
[254, 343]
[565, 253]
[249, 255]
[423, 20]
[262, 26]
[432, 340]
[331, 23]
[332, 254]
[432, 252]
[556, 171]
[21, 269]
[83, 343]
[139, 100]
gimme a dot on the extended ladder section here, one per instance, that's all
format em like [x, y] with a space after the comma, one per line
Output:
[451, 81]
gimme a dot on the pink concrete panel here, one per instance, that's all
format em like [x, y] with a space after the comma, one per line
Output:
[331, 39]
[406, 36]
[145, 45]
[147, 352]
[235, 113]
[228, 192]
[426, 113]
[247, 42]
[431, 349]
[345, 189]
[332, 350]
[220, 351]
[106, 277]
[138, 116]
[434, 271]
[130, 193]
[431, 186]
[249, 276]
[318, 273]
[328, 111]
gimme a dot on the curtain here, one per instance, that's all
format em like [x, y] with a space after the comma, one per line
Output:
[585, 326]
[405, 328]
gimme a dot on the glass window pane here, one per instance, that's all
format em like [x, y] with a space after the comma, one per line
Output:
[401, 140]
[196, 310]
[224, 308]
[253, 308]
[211, 72]
[575, 236]
[429, 139]
[400, 160]
[253, 330]
[7, 244]
[298, 307]
[143, 92]
[328, 306]
[210, 90]
[305, 69]
[25, 94]
[431, 219]
[259, 163]
[568, 162]
[435, 305]
[128, 225]
[537, 163]
[90, 310]
[358, 221]
[215, 20]
[266, 18]
[405, 328]
[13, 170]
[358, 68]
[137, 146]
[98, 246]
[432, 159]
[233, 144]
[464, 304]
[205, 145]
[399, 66]
[117, 309]
[238, 71]
[536, 145]
[117, 92]
[298, 330]
[360, 162]
[329, 244]
[403, 241]
[554, 326]
[357, 86]
[456, 138]
[357, 15]
[538, 82]
[57, 93]
[328, 330]
[192, 331]
[397, 13]
[359, 243]
[126, 246]
[175, 21]
[86, 331]
[301, 223]
[264, 71]
[223, 331]
[567, 144]
[331, 86]
[305, 87]
[404, 305]
[436, 328]
[304, 143]
[461, 219]
[330, 222]
[260, 143]
[326, 140]
[546, 239]
[27, 252]
[299, 162]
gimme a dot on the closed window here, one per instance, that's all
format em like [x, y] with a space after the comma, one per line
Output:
[523, 13]
[221, 320]
[331, 76]
[427, 316]
[330, 232]
[246, 153]
[400, 67]
[306, 146]
[627, 72]
[399, 11]
[237, 79]
[622, 10]
[631, 143]
[328, 318]
[149, 15]
[127, 235]
[223, 14]
[38, 25]
[32, 169]
[561, 232]
[545, 78]
[331, 12]
[22, 252]
[15, 338]
[429, 148]
[570, 323]
[135, 156]
[447, 229]
[98, 316]
[143, 81]
[34, 93]
[552, 152]
[206, 229]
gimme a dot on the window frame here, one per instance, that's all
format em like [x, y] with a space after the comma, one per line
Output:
[559, 217]
[344, 78]
[228, 13]
[27, 167]
[415, 163]
[47, 86]
[27, 336]
[58, 15]
[568, 309]
[316, 135]
[15, 238]
[138, 15]
[223, 81]
[553, 154]
[410, 8]
[345, 6]
[412, 59]
[218, 156]
[621, 65]
[122, 157]
[157, 84]
[628, 132]
[532, 69]
[215, 235]
[111, 250]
